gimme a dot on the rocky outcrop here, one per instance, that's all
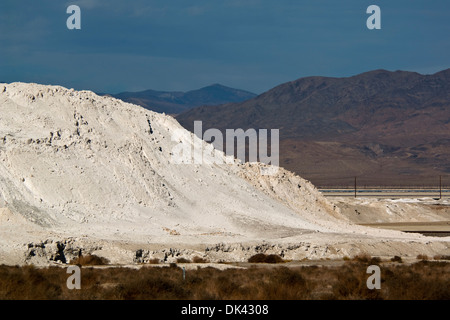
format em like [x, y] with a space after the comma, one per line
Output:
[57, 251]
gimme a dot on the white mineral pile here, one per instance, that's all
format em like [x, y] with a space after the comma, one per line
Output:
[84, 172]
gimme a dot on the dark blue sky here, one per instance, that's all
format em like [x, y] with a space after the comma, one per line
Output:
[183, 45]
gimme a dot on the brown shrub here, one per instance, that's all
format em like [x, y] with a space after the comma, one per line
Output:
[90, 260]
[183, 260]
[273, 258]
[422, 257]
[197, 259]
[375, 260]
[397, 259]
[257, 258]
[441, 257]
[363, 257]
[262, 258]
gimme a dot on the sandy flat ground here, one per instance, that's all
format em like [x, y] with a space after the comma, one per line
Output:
[440, 226]
[387, 193]
[371, 210]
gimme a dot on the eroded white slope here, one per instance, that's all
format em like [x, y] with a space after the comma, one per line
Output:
[76, 164]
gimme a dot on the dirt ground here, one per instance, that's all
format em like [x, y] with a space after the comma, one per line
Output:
[372, 210]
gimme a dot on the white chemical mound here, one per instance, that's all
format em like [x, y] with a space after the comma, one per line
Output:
[84, 172]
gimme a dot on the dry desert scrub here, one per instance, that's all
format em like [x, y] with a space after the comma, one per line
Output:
[422, 280]
[263, 258]
[90, 260]
[422, 257]
[441, 257]
[198, 259]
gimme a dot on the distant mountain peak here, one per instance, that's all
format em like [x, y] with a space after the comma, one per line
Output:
[174, 102]
[217, 85]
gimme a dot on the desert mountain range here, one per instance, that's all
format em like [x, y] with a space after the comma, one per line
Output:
[385, 128]
[177, 102]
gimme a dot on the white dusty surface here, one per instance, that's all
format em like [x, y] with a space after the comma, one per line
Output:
[372, 210]
[80, 171]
